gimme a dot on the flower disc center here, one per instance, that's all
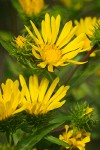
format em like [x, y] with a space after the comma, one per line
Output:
[51, 54]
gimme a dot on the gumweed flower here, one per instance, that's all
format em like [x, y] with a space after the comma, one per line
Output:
[76, 139]
[52, 50]
[87, 26]
[32, 7]
[20, 41]
[41, 97]
[82, 116]
[10, 99]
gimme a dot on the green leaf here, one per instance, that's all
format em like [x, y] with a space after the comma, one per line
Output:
[7, 45]
[57, 141]
[17, 5]
[61, 118]
[32, 139]
[82, 75]
[7, 36]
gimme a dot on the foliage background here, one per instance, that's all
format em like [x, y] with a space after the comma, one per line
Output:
[11, 24]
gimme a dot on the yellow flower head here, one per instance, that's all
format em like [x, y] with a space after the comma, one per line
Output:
[31, 7]
[53, 50]
[76, 139]
[10, 99]
[89, 111]
[20, 41]
[41, 97]
[87, 26]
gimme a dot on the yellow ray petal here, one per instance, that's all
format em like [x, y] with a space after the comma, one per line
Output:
[51, 90]
[50, 68]
[20, 109]
[59, 63]
[65, 31]
[55, 25]
[42, 89]
[86, 139]
[33, 37]
[75, 62]
[59, 97]
[14, 101]
[73, 48]
[72, 54]
[48, 27]
[25, 90]
[58, 18]
[33, 88]
[42, 64]
[55, 105]
[44, 34]
[54, 30]
[36, 54]
[37, 32]
[69, 133]
[2, 111]
[69, 37]
[61, 92]
[72, 44]
[34, 47]
[7, 88]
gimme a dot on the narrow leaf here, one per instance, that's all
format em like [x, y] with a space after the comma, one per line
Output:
[57, 141]
[7, 45]
[35, 137]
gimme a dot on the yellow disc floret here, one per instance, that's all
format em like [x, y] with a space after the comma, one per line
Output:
[50, 54]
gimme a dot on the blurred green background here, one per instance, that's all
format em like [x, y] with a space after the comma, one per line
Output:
[11, 24]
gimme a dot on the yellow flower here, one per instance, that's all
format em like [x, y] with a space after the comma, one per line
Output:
[89, 111]
[31, 7]
[52, 50]
[20, 41]
[41, 97]
[86, 26]
[10, 99]
[76, 139]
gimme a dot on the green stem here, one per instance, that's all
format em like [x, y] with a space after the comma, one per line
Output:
[9, 136]
[50, 75]
[85, 58]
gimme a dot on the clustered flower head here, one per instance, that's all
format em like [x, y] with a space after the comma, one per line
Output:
[76, 139]
[42, 98]
[20, 41]
[52, 50]
[32, 7]
[87, 26]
